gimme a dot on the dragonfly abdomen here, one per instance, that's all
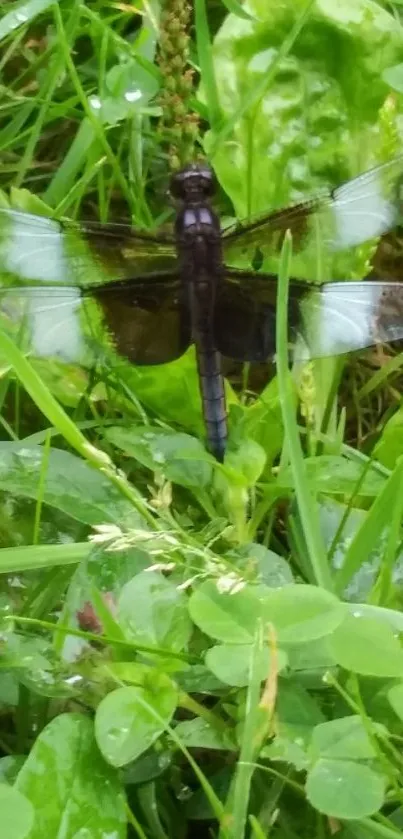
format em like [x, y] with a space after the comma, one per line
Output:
[213, 396]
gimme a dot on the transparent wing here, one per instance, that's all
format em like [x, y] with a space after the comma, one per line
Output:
[343, 317]
[152, 325]
[144, 325]
[333, 319]
[38, 249]
[360, 210]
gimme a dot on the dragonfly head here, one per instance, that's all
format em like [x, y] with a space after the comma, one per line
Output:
[194, 183]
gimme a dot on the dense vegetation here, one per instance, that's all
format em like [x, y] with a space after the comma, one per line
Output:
[191, 649]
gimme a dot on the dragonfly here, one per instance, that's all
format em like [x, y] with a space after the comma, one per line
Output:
[156, 294]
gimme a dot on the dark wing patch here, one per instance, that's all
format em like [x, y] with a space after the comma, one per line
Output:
[147, 323]
[266, 233]
[245, 315]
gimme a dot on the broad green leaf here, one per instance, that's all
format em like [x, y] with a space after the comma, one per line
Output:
[395, 696]
[333, 474]
[130, 719]
[394, 77]
[262, 421]
[390, 617]
[312, 656]
[197, 679]
[32, 658]
[10, 766]
[302, 613]
[389, 446]
[9, 689]
[152, 611]
[16, 813]
[367, 646]
[228, 617]
[65, 778]
[345, 738]
[299, 613]
[378, 519]
[22, 13]
[181, 458]
[288, 751]
[297, 713]
[121, 78]
[259, 563]
[149, 766]
[344, 789]
[172, 391]
[231, 663]
[133, 673]
[247, 462]
[341, 522]
[199, 734]
[70, 484]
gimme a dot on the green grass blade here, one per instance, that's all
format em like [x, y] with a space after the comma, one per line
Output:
[205, 56]
[56, 415]
[377, 520]
[65, 47]
[238, 799]
[306, 502]
[32, 557]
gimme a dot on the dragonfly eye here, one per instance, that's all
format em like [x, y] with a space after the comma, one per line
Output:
[194, 183]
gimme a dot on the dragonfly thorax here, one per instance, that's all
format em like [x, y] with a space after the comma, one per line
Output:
[198, 222]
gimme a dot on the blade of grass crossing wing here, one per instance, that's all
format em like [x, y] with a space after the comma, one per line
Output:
[306, 503]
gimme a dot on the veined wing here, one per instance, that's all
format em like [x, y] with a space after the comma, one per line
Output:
[38, 249]
[144, 323]
[333, 319]
[343, 317]
[362, 209]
